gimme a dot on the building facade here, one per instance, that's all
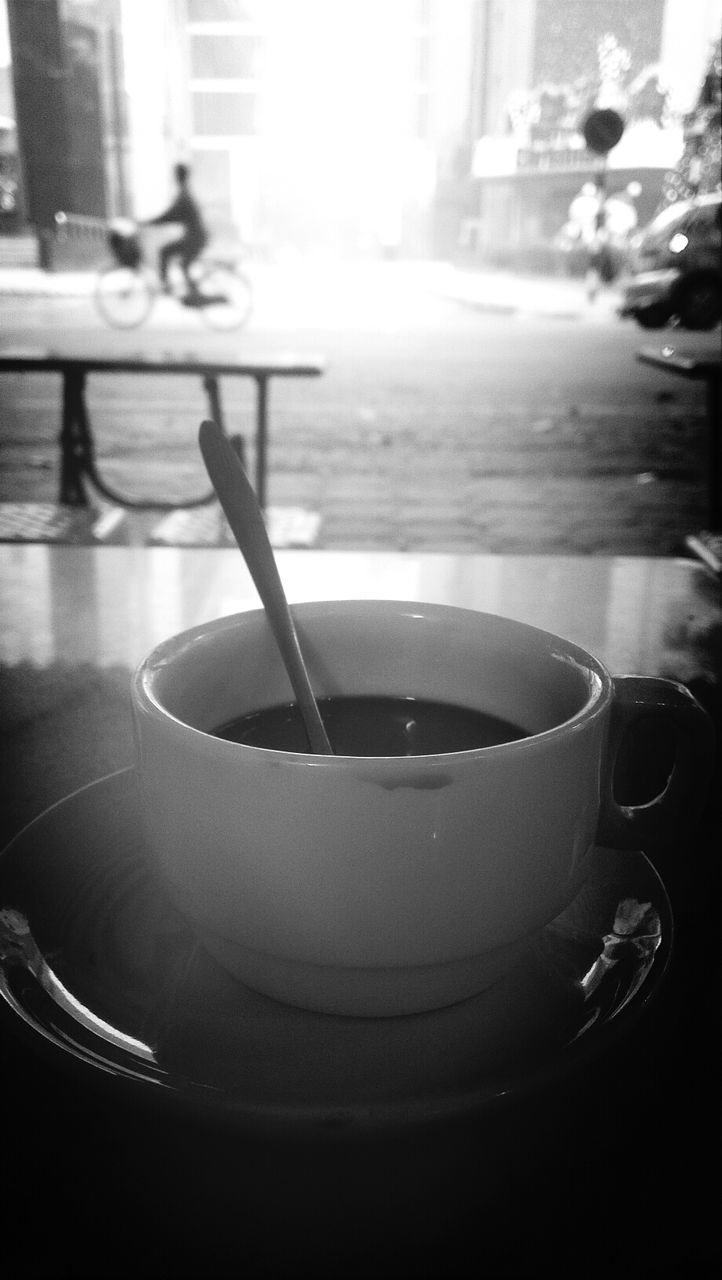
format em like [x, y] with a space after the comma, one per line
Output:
[313, 124]
[541, 66]
[309, 124]
[411, 127]
[65, 95]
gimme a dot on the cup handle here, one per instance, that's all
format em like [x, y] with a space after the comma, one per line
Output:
[623, 826]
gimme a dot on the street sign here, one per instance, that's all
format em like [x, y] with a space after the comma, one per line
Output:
[602, 130]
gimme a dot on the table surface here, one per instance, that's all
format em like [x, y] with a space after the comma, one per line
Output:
[281, 364]
[608, 1170]
[110, 605]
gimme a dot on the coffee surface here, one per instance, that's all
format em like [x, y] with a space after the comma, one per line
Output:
[375, 726]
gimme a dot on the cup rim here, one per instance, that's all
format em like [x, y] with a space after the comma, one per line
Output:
[145, 697]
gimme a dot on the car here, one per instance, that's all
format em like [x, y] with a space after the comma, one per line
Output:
[675, 268]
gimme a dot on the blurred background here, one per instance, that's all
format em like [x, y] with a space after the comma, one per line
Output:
[416, 128]
[410, 183]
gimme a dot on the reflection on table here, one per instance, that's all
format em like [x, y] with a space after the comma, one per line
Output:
[111, 605]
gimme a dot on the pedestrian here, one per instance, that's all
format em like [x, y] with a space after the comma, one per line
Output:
[185, 211]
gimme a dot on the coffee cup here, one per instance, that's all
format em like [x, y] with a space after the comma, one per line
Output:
[380, 884]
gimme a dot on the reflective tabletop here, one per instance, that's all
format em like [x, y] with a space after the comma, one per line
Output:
[603, 1165]
[110, 605]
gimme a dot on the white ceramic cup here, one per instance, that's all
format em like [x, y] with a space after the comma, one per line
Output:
[386, 885]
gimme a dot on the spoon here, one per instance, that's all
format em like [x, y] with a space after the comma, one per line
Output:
[245, 517]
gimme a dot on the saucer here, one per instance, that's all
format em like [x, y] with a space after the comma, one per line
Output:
[98, 967]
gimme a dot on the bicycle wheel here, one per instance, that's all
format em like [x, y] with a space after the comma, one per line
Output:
[123, 296]
[225, 296]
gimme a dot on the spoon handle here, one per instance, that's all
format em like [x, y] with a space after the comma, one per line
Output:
[245, 517]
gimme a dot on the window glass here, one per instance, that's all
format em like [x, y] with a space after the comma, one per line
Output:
[212, 176]
[423, 115]
[224, 114]
[669, 218]
[224, 57]
[423, 58]
[218, 11]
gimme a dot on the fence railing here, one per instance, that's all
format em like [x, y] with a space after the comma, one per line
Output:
[77, 240]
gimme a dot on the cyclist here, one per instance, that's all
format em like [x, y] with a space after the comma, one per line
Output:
[183, 210]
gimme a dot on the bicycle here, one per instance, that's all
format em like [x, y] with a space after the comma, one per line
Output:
[127, 289]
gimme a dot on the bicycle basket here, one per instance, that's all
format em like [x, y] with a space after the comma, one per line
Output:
[125, 247]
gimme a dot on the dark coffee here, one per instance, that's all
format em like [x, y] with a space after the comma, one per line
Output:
[375, 726]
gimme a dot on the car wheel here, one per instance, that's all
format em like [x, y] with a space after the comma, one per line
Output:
[655, 317]
[699, 303]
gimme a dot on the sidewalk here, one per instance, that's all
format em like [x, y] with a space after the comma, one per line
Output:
[487, 290]
[34, 282]
[509, 293]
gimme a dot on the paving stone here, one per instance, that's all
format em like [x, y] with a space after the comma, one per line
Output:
[484, 478]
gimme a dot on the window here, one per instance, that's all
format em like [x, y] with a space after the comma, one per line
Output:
[212, 177]
[218, 11]
[666, 221]
[224, 57]
[423, 115]
[423, 58]
[224, 114]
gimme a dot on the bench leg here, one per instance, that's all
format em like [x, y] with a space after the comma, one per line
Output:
[213, 395]
[261, 439]
[76, 446]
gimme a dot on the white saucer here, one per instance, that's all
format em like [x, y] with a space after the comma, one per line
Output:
[97, 967]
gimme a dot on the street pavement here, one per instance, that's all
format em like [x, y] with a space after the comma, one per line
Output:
[484, 289]
[462, 409]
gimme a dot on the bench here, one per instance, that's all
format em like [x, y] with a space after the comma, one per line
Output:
[77, 451]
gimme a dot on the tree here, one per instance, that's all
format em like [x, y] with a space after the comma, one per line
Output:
[698, 170]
